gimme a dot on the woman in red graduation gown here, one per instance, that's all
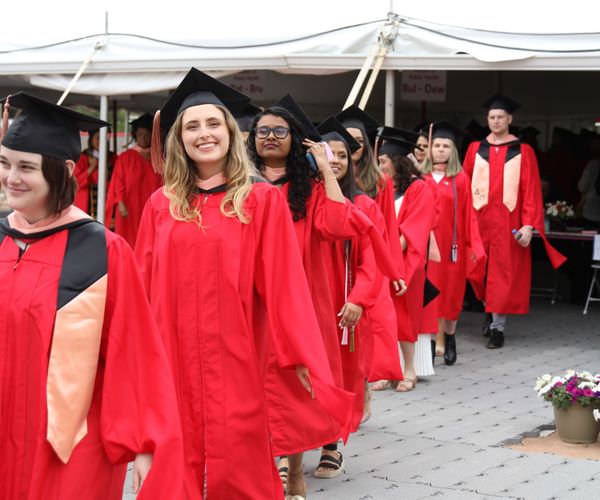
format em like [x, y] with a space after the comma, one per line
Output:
[86, 386]
[356, 282]
[456, 233]
[379, 187]
[320, 215]
[86, 175]
[225, 280]
[416, 213]
[133, 181]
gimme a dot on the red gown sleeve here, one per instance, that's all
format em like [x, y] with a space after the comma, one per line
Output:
[336, 221]
[294, 331]
[469, 161]
[364, 291]
[416, 225]
[139, 408]
[532, 208]
[144, 245]
[476, 257]
[81, 176]
[385, 201]
[116, 190]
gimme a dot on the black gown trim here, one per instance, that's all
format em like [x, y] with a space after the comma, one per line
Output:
[85, 261]
[514, 149]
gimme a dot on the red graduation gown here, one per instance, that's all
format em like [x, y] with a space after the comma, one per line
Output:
[85, 182]
[382, 361]
[508, 279]
[361, 290]
[385, 199]
[232, 303]
[133, 409]
[450, 277]
[415, 222]
[133, 181]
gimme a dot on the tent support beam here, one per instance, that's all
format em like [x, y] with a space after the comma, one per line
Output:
[390, 98]
[102, 160]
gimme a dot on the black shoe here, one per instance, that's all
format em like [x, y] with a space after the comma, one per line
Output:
[433, 352]
[449, 349]
[496, 339]
[486, 330]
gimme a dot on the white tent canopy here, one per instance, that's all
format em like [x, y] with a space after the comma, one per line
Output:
[129, 64]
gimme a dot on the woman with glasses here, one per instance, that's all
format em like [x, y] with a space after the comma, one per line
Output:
[321, 214]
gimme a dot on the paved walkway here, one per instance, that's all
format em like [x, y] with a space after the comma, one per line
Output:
[444, 439]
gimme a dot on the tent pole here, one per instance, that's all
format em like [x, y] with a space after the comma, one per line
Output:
[102, 160]
[115, 124]
[373, 78]
[390, 95]
[361, 76]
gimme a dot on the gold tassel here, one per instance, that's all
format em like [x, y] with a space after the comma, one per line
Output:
[352, 339]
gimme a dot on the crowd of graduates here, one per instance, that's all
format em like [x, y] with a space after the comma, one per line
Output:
[265, 276]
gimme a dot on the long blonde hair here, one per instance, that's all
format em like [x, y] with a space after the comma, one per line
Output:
[180, 175]
[453, 168]
[368, 176]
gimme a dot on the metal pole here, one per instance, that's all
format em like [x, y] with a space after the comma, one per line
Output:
[102, 160]
[390, 98]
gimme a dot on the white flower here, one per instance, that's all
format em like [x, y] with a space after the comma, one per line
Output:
[570, 373]
[555, 380]
[597, 415]
[587, 376]
[544, 390]
[587, 385]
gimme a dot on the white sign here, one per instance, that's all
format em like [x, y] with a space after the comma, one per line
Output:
[251, 83]
[423, 86]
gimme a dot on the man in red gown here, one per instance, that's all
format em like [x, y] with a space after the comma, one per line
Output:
[507, 197]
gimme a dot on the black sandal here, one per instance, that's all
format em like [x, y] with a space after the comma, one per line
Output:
[330, 466]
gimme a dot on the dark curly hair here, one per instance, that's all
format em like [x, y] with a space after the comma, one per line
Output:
[405, 172]
[297, 170]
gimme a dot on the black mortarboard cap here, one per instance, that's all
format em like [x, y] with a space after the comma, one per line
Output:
[332, 130]
[498, 101]
[395, 141]
[143, 121]
[45, 128]
[288, 103]
[443, 129]
[245, 117]
[198, 88]
[354, 117]
[399, 133]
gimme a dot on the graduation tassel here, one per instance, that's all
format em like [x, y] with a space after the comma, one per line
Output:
[352, 339]
[4, 127]
[345, 329]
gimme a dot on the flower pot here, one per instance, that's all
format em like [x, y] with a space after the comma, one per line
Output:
[577, 424]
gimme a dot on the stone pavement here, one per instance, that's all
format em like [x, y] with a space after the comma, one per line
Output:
[444, 439]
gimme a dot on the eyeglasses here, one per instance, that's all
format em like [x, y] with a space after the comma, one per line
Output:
[278, 132]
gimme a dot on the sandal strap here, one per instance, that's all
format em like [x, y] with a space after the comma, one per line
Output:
[330, 462]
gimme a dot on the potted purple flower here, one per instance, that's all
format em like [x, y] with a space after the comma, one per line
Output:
[574, 396]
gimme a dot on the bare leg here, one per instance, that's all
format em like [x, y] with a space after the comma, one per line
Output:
[296, 484]
[439, 338]
[410, 375]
